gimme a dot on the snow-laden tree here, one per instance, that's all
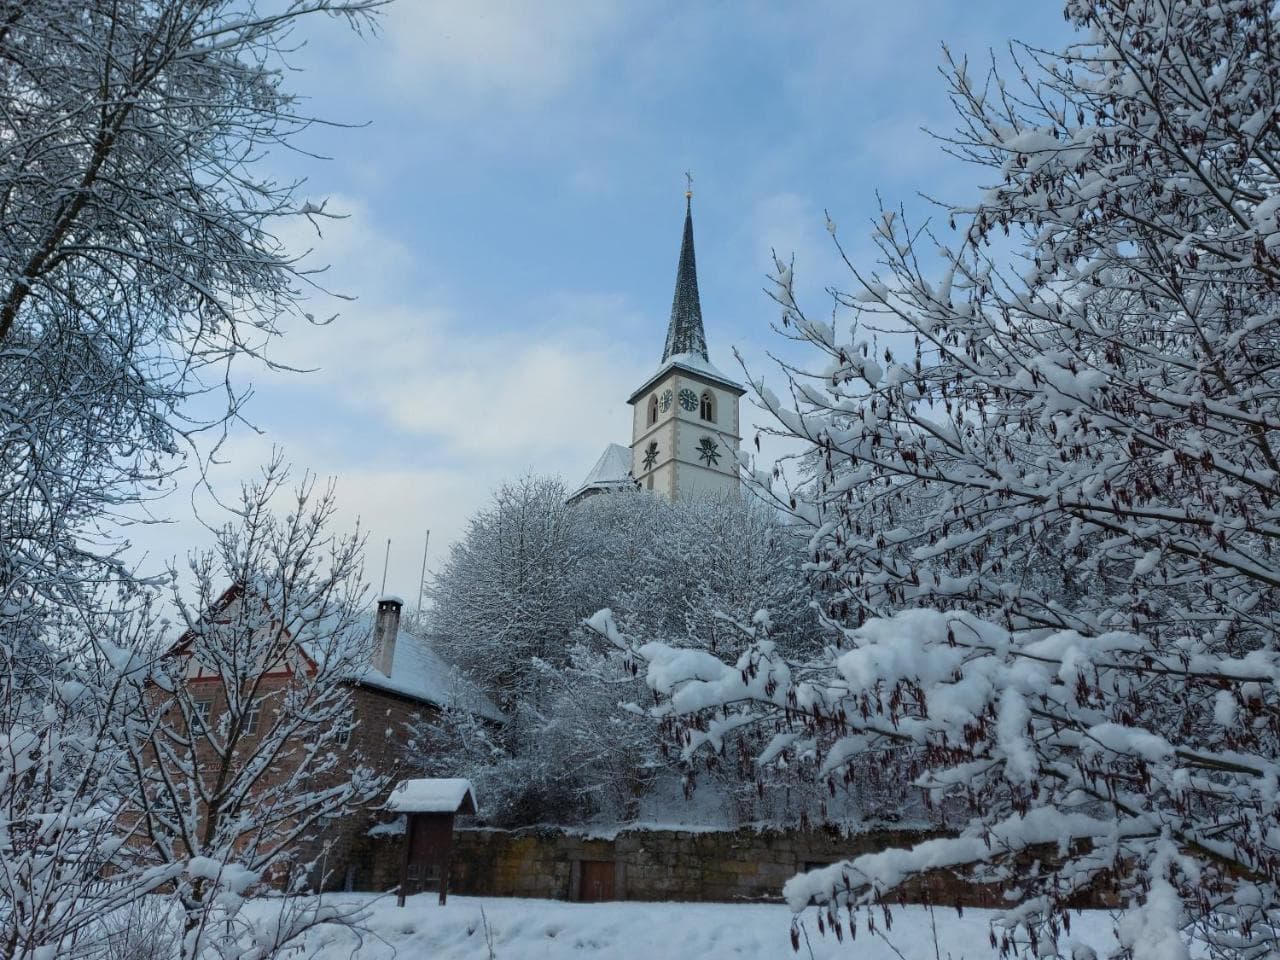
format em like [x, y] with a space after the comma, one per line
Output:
[507, 609]
[238, 741]
[504, 599]
[1047, 504]
[693, 570]
[137, 255]
[64, 862]
[503, 609]
[137, 259]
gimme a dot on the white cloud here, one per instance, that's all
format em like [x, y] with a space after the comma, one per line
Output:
[417, 409]
[481, 394]
[471, 383]
[402, 505]
[381, 501]
[358, 259]
[450, 54]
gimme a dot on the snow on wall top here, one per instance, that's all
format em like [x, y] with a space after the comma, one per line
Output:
[436, 795]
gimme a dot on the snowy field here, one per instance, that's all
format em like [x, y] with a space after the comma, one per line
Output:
[552, 930]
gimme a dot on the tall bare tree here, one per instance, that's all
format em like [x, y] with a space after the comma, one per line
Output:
[137, 260]
[137, 253]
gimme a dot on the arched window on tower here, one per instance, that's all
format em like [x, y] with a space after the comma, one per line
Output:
[653, 410]
[707, 408]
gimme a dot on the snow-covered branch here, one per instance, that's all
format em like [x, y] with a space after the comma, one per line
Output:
[1045, 513]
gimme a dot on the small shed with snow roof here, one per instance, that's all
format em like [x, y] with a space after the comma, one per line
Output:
[429, 806]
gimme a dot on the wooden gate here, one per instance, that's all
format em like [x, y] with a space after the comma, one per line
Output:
[597, 881]
[429, 806]
[429, 846]
[432, 838]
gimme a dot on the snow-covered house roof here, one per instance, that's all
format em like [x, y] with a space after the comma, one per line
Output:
[436, 795]
[419, 672]
[612, 472]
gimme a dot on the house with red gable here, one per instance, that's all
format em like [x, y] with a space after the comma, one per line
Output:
[394, 679]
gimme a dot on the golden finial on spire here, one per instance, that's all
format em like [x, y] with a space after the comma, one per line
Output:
[688, 185]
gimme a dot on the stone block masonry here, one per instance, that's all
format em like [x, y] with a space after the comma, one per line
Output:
[727, 866]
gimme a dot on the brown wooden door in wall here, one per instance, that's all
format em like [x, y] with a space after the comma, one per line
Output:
[597, 881]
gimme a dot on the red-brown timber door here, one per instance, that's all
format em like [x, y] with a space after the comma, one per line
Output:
[597, 881]
[431, 836]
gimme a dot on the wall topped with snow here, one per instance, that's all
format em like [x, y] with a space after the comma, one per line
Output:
[662, 864]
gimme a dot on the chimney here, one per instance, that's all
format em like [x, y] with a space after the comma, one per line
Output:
[385, 629]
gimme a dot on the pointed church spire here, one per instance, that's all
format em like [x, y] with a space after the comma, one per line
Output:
[684, 333]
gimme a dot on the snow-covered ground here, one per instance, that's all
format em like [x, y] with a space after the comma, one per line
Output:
[469, 928]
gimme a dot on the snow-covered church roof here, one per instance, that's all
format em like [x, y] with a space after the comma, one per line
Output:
[684, 332]
[612, 472]
[689, 363]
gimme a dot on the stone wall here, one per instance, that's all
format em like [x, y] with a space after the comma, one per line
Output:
[740, 865]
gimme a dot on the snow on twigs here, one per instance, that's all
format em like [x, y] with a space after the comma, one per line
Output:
[531, 606]
[1046, 538]
[139, 268]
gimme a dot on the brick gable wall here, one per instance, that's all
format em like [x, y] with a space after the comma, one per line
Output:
[380, 741]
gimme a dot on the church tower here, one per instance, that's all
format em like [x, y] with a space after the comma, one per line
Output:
[685, 426]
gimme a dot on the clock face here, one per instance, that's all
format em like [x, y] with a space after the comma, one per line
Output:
[708, 451]
[688, 399]
[651, 454]
[664, 401]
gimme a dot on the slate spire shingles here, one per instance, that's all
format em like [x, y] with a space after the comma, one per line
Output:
[684, 333]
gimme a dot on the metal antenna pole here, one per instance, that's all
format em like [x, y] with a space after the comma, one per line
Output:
[422, 580]
[386, 558]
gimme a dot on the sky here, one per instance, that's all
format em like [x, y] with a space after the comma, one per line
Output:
[512, 180]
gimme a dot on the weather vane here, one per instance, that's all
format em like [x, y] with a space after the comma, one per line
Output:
[688, 185]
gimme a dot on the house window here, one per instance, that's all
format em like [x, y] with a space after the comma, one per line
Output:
[202, 709]
[251, 715]
[344, 732]
[706, 409]
[653, 409]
